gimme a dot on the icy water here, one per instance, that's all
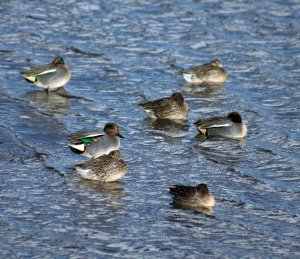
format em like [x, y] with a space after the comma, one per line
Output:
[121, 53]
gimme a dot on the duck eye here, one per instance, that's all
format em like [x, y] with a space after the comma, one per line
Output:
[61, 61]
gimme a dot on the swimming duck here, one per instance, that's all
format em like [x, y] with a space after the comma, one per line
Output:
[210, 73]
[93, 144]
[51, 76]
[192, 196]
[107, 168]
[228, 127]
[173, 108]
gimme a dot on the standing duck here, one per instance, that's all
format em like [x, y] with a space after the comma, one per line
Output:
[51, 76]
[93, 144]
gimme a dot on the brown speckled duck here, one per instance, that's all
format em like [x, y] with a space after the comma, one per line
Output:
[106, 168]
[211, 73]
[173, 107]
[190, 196]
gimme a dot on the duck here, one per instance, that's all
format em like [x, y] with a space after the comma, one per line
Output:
[106, 168]
[172, 108]
[211, 73]
[93, 144]
[51, 76]
[190, 196]
[230, 126]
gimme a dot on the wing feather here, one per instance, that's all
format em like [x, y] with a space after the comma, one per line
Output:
[42, 70]
[183, 191]
[216, 122]
[77, 136]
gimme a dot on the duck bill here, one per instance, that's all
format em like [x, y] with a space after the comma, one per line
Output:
[119, 135]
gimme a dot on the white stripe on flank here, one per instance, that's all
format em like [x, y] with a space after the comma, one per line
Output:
[93, 135]
[218, 125]
[47, 71]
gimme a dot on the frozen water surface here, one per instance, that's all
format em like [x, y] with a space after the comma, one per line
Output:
[121, 52]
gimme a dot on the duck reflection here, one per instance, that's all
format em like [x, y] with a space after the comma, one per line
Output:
[203, 210]
[204, 90]
[113, 189]
[220, 151]
[167, 125]
[51, 102]
[202, 138]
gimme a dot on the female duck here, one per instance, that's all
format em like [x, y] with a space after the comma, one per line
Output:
[93, 144]
[51, 76]
[211, 73]
[172, 108]
[231, 126]
[192, 196]
[107, 168]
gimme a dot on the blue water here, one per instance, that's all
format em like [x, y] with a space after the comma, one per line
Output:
[121, 52]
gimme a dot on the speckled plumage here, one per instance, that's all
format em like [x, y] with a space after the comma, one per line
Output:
[190, 196]
[173, 107]
[106, 168]
[210, 73]
[231, 126]
[51, 76]
[93, 144]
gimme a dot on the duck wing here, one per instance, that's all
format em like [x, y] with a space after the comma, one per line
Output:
[196, 69]
[41, 70]
[85, 136]
[216, 122]
[183, 191]
[152, 105]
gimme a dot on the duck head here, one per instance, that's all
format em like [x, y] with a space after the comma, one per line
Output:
[59, 61]
[216, 63]
[115, 154]
[202, 188]
[235, 117]
[112, 130]
[178, 98]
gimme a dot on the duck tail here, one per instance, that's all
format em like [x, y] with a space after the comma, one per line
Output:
[187, 76]
[82, 170]
[30, 79]
[77, 149]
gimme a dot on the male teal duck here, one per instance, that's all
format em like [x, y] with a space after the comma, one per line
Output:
[211, 73]
[172, 108]
[106, 168]
[51, 76]
[190, 196]
[231, 126]
[93, 144]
